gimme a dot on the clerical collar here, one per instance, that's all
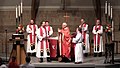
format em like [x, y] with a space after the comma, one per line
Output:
[31, 24]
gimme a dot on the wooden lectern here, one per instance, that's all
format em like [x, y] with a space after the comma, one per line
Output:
[18, 49]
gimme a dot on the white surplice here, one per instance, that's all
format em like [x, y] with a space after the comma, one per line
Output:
[78, 48]
[85, 33]
[96, 32]
[40, 40]
[31, 30]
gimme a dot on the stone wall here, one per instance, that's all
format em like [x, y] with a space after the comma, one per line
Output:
[56, 18]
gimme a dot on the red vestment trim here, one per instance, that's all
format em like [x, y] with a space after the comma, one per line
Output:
[32, 40]
[41, 34]
[84, 33]
[98, 38]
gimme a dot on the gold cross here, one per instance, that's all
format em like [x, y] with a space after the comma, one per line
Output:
[66, 17]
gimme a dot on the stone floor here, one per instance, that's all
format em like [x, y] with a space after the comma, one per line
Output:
[87, 60]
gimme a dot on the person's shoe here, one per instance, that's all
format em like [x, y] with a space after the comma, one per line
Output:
[29, 54]
[78, 62]
[33, 54]
[48, 59]
[41, 60]
[95, 54]
[100, 54]
[86, 54]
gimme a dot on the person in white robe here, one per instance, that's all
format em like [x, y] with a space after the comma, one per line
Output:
[98, 41]
[49, 34]
[85, 34]
[31, 37]
[49, 29]
[79, 46]
[42, 44]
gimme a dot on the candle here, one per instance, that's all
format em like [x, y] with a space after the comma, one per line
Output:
[111, 12]
[109, 9]
[16, 12]
[106, 7]
[19, 10]
[21, 6]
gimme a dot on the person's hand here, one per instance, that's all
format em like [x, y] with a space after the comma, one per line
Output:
[59, 30]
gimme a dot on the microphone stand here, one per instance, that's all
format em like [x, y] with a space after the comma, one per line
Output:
[6, 43]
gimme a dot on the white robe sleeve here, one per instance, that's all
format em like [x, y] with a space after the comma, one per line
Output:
[94, 31]
[51, 31]
[85, 28]
[36, 27]
[28, 30]
[38, 35]
[77, 38]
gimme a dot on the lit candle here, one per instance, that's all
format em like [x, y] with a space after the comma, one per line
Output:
[109, 9]
[16, 12]
[21, 6]
[19, 10]
[106, 7]
[111, 12]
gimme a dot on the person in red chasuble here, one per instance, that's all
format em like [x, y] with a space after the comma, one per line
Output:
[98, 41]
[31, 37]
[85, 34]
[43, 44]
[66, 41]
[20, 29]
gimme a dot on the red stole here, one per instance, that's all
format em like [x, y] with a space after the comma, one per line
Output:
[98, 36]
[84, 32]
[48, 28]
[47, 44]
[32, 40]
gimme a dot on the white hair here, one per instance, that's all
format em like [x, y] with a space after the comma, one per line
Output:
[64, 23]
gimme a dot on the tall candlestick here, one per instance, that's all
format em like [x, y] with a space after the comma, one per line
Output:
[106, 7]
[19, 10]
[21, 6]
[111, 12]
[16, 12]
[109, 9]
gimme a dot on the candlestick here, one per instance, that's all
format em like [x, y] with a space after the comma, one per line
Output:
[109, 9]
[111, 12]
[16, 12]
[21, 6]
[106, 7]
[19, 10]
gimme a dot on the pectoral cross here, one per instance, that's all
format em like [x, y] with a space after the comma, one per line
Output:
[66, 17]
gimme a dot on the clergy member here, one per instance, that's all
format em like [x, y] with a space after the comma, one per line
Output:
[43, 44]
[98, 41]
[85, 34]
[31, 37]
[20, 29]
[79, 46]
[66, 41]
[49, 29]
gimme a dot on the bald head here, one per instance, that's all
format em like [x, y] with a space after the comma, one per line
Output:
[64, 25]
